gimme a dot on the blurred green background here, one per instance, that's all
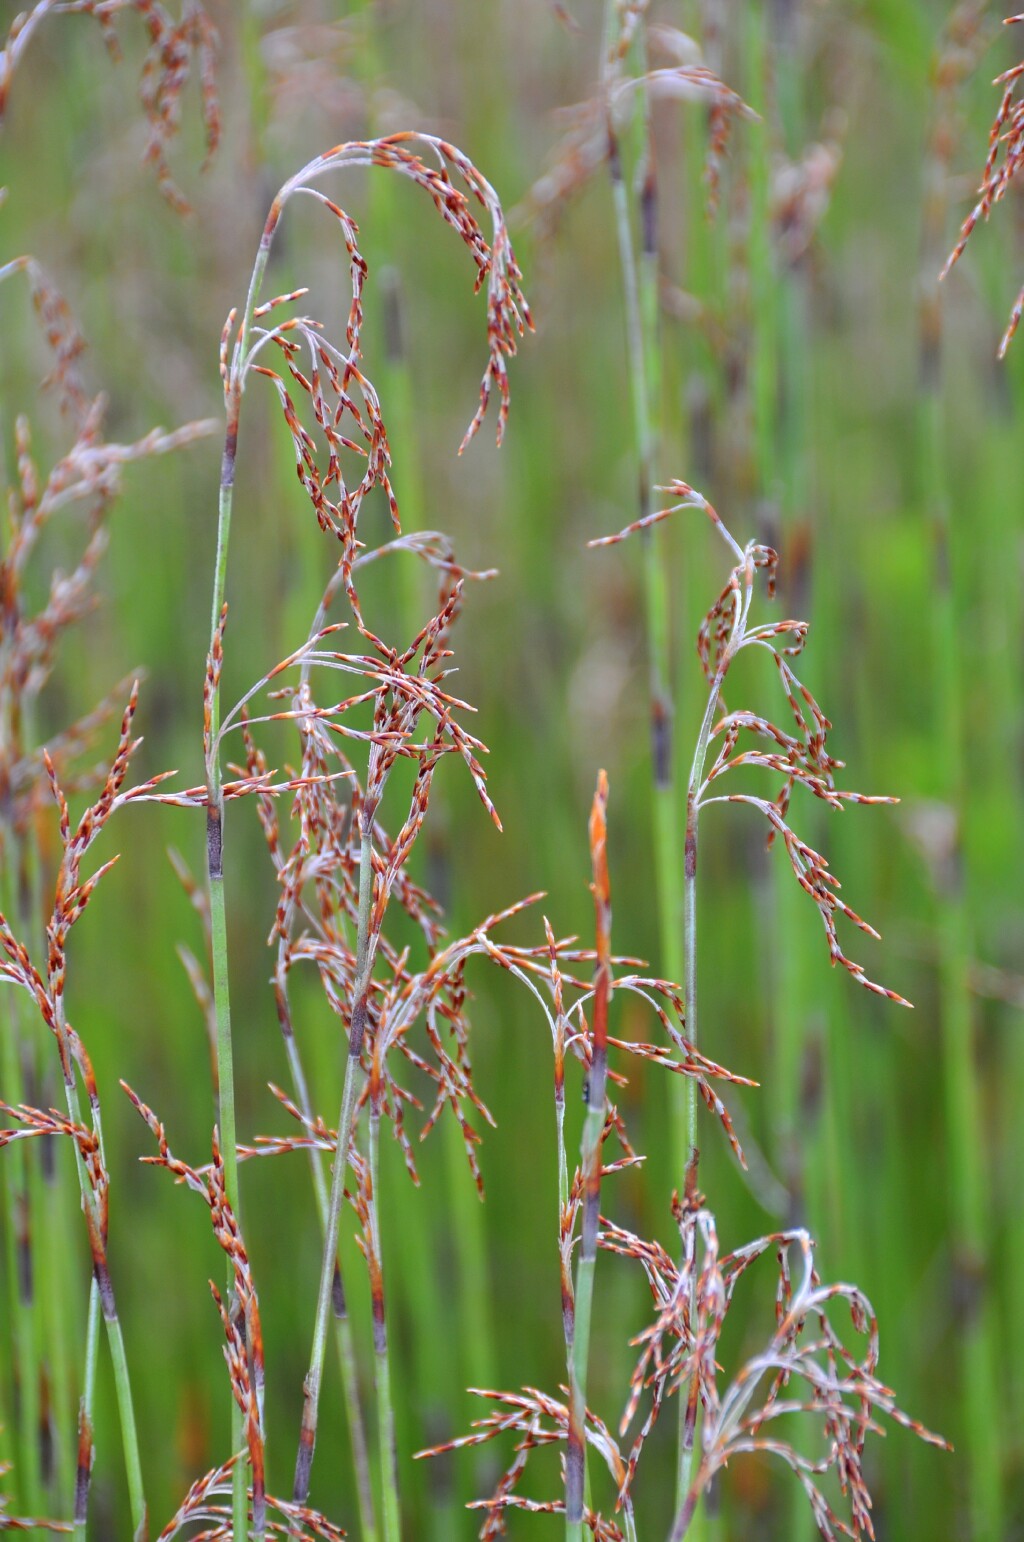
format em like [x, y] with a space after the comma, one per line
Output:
[891, 485]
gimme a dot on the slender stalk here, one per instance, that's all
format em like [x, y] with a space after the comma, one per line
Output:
[55, 1313]
[215, 826]
[640, 298]
[982, 1429]
[342, 1322]
[364, 965]
[85, 1415]
[21, 1293]
[387, 1454]
[781, 347]
[20, 1210]
[104, 1288]
[687, 1407]
[593, 1129]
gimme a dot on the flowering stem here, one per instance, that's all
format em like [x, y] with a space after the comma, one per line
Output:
[385, 1410]
[364, 964]
[342, 1321]
[84, 1468]
[215, 827]
[593, 1129]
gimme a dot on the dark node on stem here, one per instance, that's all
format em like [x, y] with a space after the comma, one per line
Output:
[48, 1158]
[24, 1252]
[574, 1469]
[84, 1469]
[355, 1037]
[614, 158]
[394, 317]
[284, 1017]
[694, 1198]
[929, 362]
[46, 1431]
[643, 494]
[661, 744]
[568, 1308]
[811, 1082]
[968, 1284]
[586, 1092]
[380, 1331]
[214, 842]
[690, 855]
[649, 214]
[338, 1305]
[106, 1289]
[227, 465]
[304, 1459]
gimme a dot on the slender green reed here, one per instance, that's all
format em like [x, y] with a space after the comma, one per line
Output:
[344, 1338]
[982, 1428]
[382, 1359]
[590, 1168]
[361, 991]
[215, 833]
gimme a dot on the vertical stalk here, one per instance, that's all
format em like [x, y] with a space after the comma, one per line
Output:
[215, 821]
[21, 1291]
[55, 1312]
[969, 1186]
[685, 1501]
[640, 296]
[593, 1129]
[342, 1321]
[387, 1454]
[85, 1424]
[103, 1288]
[364, 965]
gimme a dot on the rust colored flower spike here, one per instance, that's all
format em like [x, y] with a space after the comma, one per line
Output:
[590, 138]
[242, 1328]
[428, 162]
[173, 46]
[87, 477]
[204, 1505]
[1002, 164]
[800, 757]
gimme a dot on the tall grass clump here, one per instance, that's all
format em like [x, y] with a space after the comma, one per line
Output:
[623, 1344]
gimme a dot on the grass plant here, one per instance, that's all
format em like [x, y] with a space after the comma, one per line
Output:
[611, 1289]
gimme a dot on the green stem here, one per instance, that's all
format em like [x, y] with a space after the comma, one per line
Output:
[342, 1322]
[364, 964]
[103, 1286]
[978, 1333]
[964, 1127]
[21, 1303]
[225, 1106]
[85, 1415]
[215, 828]
[590, 1163]
[640, 297]
[687, 1424]
[576, 1464]
[387, 1454]
[55, 1317]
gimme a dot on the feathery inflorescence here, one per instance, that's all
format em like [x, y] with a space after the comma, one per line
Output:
[1002, 164]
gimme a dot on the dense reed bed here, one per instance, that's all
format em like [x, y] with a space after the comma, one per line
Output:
[713, 1170]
